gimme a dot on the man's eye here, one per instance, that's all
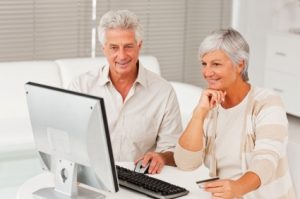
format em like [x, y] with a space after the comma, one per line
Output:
[114, 48]
[203, 64]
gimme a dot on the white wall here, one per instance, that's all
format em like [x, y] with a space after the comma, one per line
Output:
[254, 19]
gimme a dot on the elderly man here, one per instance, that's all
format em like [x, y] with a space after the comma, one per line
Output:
[142, 109]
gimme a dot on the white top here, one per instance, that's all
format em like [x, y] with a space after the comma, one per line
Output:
[229, 139]
[148, 119]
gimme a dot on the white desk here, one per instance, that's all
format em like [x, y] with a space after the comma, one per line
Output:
[173, 175]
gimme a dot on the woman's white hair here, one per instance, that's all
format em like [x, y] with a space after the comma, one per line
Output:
[230, 42]
[120, 19]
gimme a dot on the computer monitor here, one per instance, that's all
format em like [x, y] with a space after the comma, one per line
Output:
[71, 135]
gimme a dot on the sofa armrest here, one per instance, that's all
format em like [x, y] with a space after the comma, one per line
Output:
[13, 76]
[16, 135]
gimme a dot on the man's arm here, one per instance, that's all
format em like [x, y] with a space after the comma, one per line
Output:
[169, 131]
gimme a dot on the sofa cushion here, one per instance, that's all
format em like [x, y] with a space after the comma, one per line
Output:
[188, 96]
[71, 68]
[13, 76]
[16, 135]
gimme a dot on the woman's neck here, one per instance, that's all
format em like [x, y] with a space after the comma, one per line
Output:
[236, 94]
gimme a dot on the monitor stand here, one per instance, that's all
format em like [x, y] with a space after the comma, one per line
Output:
[66, 185]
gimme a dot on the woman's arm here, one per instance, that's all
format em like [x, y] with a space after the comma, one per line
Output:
[188, 152]
[192, 137]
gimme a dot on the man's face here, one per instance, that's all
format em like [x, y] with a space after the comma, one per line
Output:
[122, 51]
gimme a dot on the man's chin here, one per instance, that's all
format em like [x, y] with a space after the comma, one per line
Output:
[122, 67]
[124, 70]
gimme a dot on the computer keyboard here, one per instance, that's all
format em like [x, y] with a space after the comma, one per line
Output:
[150, 186]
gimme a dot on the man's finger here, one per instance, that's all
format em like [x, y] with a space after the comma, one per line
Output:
[160, 168]
[146, 159]
[152, 164]
[156, 168]
[137, 160]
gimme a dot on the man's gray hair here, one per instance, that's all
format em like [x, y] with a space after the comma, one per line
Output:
[120, 19]
[230, 42]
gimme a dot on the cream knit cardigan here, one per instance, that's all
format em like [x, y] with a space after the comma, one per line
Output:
[263, 148]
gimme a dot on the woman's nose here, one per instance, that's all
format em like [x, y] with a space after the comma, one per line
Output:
[207, 71]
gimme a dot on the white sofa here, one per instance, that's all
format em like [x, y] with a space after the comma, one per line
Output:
[15, 129]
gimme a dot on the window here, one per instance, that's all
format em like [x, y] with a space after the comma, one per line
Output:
[52, 29]
[173, 31]
[45, 29]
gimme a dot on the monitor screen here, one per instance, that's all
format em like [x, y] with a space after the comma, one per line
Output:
[71, 135]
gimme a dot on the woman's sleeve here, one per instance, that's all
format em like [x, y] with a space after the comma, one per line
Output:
[187, 160]
[268, 156]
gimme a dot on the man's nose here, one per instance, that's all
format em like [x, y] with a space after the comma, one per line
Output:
[122, 53]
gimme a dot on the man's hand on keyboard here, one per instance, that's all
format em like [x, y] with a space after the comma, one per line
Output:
[157, 162]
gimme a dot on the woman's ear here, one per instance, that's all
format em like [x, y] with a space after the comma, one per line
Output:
[241, 66]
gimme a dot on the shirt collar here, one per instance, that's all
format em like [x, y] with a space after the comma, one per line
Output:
[104, 75]
[142, 76]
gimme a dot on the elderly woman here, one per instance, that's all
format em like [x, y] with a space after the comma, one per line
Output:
[237, 130]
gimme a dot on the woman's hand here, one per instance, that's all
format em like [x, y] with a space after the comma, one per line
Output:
[228, 189]
[209, 99]
[224, 189]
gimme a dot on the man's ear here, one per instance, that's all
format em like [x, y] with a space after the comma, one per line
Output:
[103, 49]
[140, 44]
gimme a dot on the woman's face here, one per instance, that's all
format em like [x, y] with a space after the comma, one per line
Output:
[219, 71]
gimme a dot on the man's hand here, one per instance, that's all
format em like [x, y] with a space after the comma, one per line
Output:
[157, 161]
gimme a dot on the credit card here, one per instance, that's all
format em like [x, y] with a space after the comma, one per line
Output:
[200, 183]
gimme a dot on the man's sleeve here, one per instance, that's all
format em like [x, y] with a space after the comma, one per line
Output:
[171, 125]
